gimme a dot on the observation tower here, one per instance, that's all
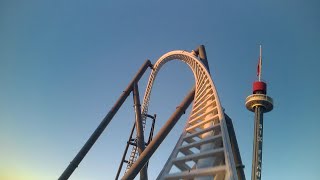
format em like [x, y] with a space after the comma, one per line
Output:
[258, 103]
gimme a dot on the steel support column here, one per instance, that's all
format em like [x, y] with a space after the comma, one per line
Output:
[95, 135]
[235, 148]
[203, 56]
[155, 143]
[139, 128]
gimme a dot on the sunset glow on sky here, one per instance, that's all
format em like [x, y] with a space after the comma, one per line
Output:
[63, 64]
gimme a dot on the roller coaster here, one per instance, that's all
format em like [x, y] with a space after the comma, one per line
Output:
[207, 147]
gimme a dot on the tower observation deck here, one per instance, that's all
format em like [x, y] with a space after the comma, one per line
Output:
[258, 103]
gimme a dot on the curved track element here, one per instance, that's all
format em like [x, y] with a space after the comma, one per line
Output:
[203, 150]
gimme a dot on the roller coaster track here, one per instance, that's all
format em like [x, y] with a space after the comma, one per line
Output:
[204, 149]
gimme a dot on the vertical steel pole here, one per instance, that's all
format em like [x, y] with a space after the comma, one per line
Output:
[257, 144]
[203, 56]
[235, 148]
[140, 134]
[152, 128]
[162, 134]
[95, 135]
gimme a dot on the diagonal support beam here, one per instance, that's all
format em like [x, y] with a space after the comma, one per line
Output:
[104, 123]
[162, 134]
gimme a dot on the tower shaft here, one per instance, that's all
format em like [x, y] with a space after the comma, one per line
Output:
[257, 144]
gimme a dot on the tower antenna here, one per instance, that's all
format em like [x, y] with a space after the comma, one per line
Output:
[260, 64]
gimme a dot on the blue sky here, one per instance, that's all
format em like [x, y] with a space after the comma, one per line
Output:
[63, 64]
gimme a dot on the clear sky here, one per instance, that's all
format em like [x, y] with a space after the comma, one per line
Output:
[63, 64]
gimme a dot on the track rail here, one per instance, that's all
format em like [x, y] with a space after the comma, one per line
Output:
[204, 148]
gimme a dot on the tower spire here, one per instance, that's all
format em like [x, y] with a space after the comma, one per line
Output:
[259, 64]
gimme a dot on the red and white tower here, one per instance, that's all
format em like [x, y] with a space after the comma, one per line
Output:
[258, 103]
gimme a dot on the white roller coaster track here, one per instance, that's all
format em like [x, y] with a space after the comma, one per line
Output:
[203, 150]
